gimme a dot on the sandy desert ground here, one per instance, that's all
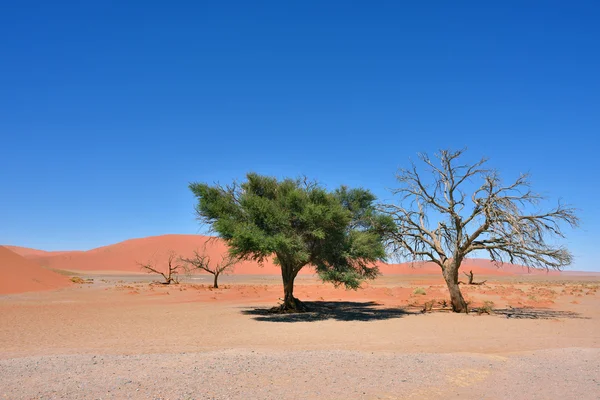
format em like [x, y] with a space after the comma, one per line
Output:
[120, 337]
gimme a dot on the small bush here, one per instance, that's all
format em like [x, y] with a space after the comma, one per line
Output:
[428, 307]
[77, 280]
[487, 307]
[419, 290]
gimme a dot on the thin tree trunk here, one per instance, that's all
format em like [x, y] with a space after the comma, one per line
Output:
[216, 285]
[290, 303]
[459, 305]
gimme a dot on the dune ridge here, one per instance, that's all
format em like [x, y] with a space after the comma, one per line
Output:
[125, 256]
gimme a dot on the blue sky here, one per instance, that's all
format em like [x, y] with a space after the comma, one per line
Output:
[108, 111]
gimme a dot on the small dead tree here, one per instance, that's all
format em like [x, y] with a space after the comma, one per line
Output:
[171, 274]
[203, 262]
[471, 281]
[437, 221]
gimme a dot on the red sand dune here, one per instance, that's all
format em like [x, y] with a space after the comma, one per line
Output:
[125, 256]
[22, 275]
[35, 253]
[479, 266]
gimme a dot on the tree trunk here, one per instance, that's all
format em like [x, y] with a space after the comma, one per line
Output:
[215, 284]
[459, 305]
[290, 303]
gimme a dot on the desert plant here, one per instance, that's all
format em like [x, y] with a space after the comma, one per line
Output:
[471, 281]
[419, 290]
[170, 274]
[437, 222]
[202, 261]
[298, 223]
[428, 306]
[487, 307]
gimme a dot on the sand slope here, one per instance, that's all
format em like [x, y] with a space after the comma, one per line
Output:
[35, 253]
[125, 256]
[18, 275]
[479, 266]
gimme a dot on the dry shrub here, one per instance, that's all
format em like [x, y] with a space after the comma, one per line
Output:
[420, 291]
[486, 308]
[428, 306]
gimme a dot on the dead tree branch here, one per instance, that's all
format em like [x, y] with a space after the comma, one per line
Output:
[171, 274]
[437, 221]
[202, 261]
[471, 281]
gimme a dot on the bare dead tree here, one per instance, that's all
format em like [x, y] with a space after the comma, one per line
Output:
[203, 262]
[170, 274]
[471, 281]
[438, 222]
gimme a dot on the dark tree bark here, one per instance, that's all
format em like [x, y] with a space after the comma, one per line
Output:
[216, 284]
[470, 276]
[290, 303]
[471, 279]
[457, 301]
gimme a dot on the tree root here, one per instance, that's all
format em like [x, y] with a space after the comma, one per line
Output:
[296, 306]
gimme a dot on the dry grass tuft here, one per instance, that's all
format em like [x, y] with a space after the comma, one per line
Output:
[420, 291]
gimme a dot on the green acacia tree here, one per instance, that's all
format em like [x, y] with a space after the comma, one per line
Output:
[298, 223]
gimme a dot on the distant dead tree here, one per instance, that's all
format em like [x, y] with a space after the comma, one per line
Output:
[171, 273]
[436, 220]
[203, 262]
[471, 281]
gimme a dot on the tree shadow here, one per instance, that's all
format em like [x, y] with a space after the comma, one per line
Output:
[331, 310]
[537, 313]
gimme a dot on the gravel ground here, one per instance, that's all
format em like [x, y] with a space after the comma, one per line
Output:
[572, 373]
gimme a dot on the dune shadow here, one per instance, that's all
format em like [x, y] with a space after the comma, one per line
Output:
[332, 310]
[537, 313]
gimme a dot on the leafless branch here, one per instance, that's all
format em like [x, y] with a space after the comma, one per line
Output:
[171, 274]
[436, 222]
[202, 261]
[506, 231]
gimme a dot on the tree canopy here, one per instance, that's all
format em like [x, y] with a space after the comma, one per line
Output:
[298, 223]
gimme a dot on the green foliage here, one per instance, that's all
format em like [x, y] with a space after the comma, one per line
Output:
[298, 222]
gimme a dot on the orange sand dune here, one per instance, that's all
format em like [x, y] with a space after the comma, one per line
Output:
[22, 275]
[126, 255]
[477, 265]
[35, 253]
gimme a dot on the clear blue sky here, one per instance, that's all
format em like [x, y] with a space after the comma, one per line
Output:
[107, 110]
